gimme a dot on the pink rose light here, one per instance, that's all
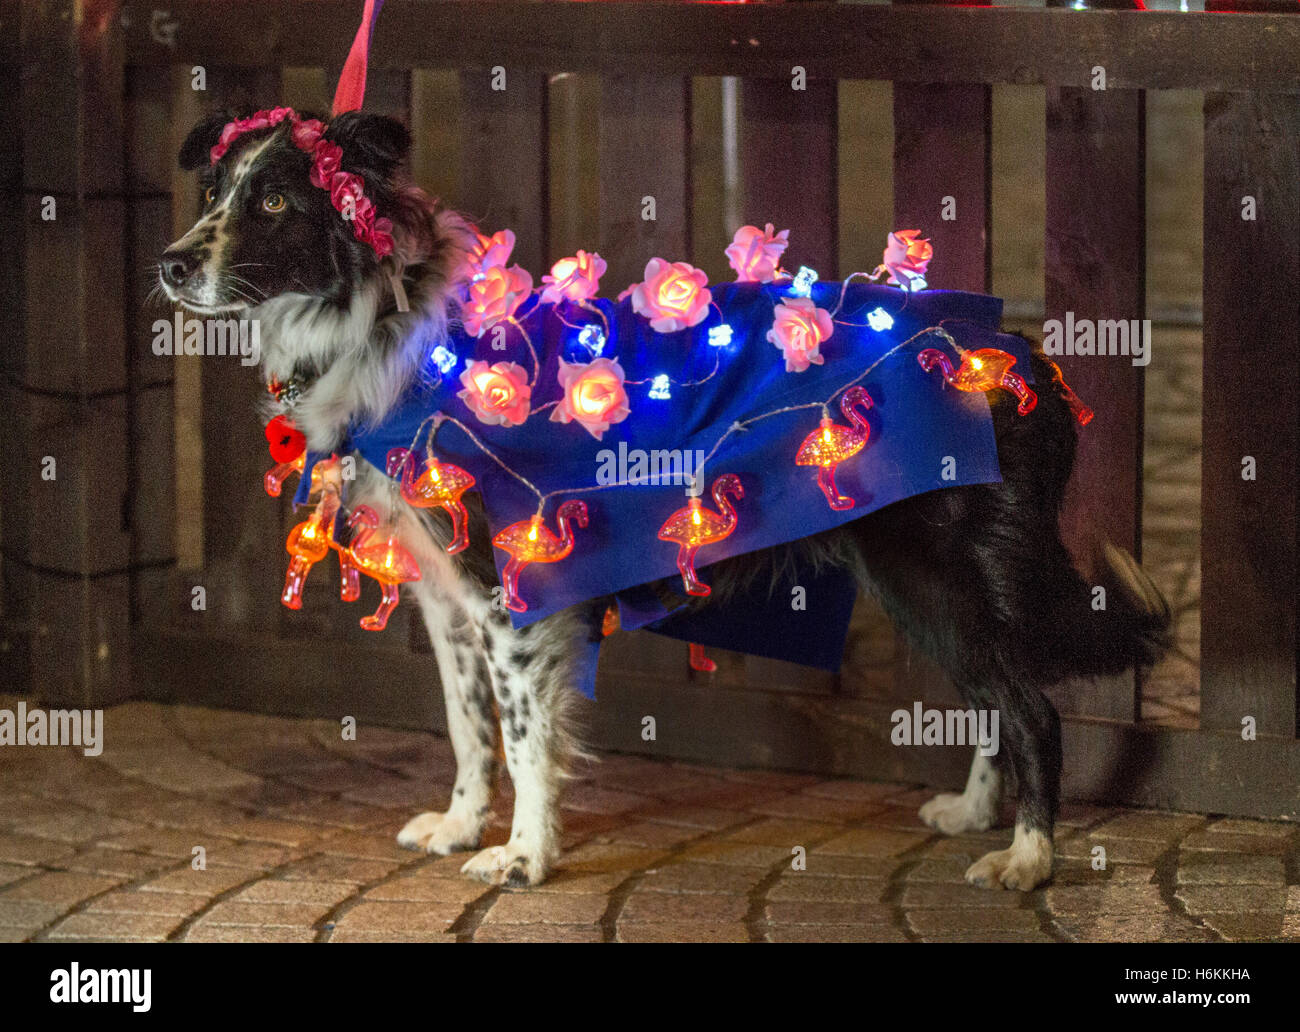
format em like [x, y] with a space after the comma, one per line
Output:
[495, 297]
[576, 278]
[497, 394]
[492, 252]
[798, 330]
[906, 258]
[755, 253]
[673, 296]
[594, 395]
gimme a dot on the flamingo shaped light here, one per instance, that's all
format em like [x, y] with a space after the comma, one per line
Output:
[693, 526]
[831, 443]
[531, 541]
[387, 562]
[441, 483]
[982, 370]
[307, 544]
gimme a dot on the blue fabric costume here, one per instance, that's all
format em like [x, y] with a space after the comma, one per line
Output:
[924, 436]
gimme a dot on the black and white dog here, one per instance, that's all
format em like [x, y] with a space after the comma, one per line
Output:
[976, 576]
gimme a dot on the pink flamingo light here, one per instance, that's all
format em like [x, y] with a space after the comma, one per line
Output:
[531, 541]
[387, 562]
[693, 526]
[442, 484]
[831, 443]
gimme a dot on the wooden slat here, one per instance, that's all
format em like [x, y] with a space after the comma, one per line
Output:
[943, 149]
[1095, 268]
[1252, 390]
[644, 152]
[503, 181]
[788, 158]
[1140, 49]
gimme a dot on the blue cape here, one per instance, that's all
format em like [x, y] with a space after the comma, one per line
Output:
[924, 436]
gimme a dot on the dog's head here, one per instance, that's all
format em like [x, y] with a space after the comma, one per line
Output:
[266, 229]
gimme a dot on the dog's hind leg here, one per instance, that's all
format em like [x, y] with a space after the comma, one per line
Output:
[471, 725]
[532, 676]
[975, 808]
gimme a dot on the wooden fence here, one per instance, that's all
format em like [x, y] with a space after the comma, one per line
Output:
[99, 584]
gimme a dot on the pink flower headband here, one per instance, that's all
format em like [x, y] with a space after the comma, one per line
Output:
[346, 190]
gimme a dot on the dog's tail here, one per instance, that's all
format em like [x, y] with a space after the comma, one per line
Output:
[1126, 623]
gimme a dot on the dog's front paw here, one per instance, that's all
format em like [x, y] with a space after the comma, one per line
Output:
[955, 813]
[441, 833]
[1025, 865]
[509, 865]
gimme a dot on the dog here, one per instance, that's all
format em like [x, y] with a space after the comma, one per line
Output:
[977, 576]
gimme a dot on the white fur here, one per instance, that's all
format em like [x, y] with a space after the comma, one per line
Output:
[974, 809]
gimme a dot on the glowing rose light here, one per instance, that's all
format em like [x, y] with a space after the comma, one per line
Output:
[491, 252]
[674, 296]
[497, 394]
[755, 253]
[594, 395]
[799, 329]
[576, 278]
[495, 297]
[906, 258]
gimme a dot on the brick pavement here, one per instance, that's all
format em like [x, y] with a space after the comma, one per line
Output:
[297, 828]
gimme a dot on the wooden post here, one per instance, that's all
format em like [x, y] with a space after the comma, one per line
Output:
[66, 525]
[1095, 259]
[1249, 415]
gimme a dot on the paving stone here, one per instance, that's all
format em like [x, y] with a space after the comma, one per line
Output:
[345, 934]
[813, 808]
[28, 914]
[582, 883]
[385, 917]
[339, 868]
[133, 926]
[783, 832]
[275, 890]
[133, 901]
[817, 912]
[421, 889]
[1104, 898]
[1246, 927]
[855, 791]
[1148, 826]
[1147, 927]
[649, 834]
[10, 873]
[266, 915]
[683, 931]
[1229, 843]
[555, 908]
[22, 849]
[947, 896]
[804, 886]
[659, 907]
[1206, 899]
[991, 935]
[1230, 869]
[120, 862]
[61, 889]
[203, 932]
[697, 877]
[1118, 851]
[873, 842]
[738, 854]
[538, 933]
[851, 932]
[210, 883]
[977, 920]
[706, 818]
[1240, 826]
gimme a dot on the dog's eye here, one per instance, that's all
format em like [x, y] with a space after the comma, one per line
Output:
[273, 203]
[209, 195]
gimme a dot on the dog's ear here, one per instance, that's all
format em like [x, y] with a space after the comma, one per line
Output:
[202, 138]
[373, 145]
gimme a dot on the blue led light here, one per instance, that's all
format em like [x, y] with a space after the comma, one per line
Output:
[801, 285]
[719, 336]
[445, 360]
[878, 319]
[659, 389]
[592, 338]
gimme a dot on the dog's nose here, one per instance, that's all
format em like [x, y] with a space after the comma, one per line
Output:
[177, 267]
